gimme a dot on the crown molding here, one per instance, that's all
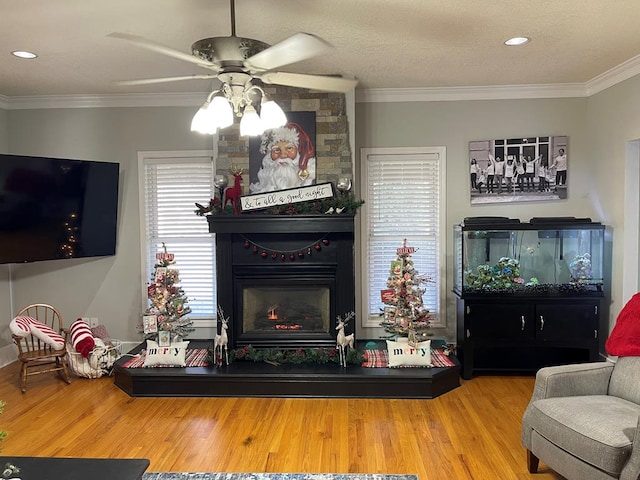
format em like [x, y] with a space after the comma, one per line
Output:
[97, 101]
[379, 95]
[611, 77]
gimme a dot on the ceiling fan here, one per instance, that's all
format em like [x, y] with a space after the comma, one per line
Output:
[237, 61]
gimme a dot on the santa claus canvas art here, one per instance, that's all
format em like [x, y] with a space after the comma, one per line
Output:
[284, 157]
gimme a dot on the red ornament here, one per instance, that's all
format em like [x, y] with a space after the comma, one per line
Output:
[292, 257]
[325, 241]
[263, 254]
[317, 247]
[246, 244]
[254, 249]
[300, 255]
[274, 255]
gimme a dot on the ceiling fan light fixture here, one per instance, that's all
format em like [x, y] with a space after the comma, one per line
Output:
[201, 122]
[222, 112]
[250, 124]
[215, 113]
[271, 114]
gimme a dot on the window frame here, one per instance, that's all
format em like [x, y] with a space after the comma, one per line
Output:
[372, 319]
[146, 269]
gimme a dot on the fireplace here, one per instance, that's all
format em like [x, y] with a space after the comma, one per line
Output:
[283, 280]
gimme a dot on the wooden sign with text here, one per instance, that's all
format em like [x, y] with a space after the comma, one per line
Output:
[285, 197]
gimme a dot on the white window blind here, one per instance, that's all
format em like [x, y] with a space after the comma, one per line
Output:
[172, 186]
[403, 192]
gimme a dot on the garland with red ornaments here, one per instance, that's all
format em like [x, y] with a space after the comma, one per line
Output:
[275, 254]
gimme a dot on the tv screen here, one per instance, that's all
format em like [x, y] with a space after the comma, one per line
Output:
[52, 208]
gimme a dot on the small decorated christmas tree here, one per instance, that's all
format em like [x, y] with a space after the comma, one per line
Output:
[168, 304]
[405, 314]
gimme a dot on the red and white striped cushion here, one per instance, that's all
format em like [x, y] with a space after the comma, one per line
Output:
[23, 326]
[47, 335]
[20, 326]
[82, 338]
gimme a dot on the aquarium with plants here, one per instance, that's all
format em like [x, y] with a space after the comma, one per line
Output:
[547, 255]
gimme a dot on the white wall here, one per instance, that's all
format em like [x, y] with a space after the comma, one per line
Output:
[5, 293]
[613, 120]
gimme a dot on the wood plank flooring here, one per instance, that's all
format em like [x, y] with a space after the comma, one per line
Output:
[472, 432]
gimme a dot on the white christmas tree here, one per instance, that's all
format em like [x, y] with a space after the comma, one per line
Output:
[167, 301]
[405, 314]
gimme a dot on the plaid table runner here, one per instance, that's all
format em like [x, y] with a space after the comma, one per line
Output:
[196, 357]
[380, 359]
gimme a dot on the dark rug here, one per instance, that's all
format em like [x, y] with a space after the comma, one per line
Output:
[275, 476]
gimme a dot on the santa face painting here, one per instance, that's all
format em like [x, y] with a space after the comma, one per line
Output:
[288, 161]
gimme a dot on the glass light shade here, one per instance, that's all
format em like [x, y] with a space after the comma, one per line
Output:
[272, 115]
[222, 112]
[251, 124]
[212, 115]
[201, 122]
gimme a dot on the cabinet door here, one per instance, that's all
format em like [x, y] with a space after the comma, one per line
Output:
[562, 321]
[497, 321]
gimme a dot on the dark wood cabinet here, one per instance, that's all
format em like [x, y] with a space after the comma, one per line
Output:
[523, 334]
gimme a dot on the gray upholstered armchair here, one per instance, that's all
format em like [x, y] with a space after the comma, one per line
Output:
[582, 420]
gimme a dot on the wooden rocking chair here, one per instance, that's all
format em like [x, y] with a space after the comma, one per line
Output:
[37, 356]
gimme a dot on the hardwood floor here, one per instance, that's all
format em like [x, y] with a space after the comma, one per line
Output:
[472, 432]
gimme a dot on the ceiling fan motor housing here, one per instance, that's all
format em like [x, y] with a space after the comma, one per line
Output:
[227, 51]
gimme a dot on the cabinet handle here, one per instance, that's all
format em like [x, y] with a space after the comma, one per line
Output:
[596, 309]
[523, 322]
[595, 334]
[468, 333]
[541, 323]
[468, 309]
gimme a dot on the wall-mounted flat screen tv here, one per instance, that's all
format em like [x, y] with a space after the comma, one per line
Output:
[52, 208]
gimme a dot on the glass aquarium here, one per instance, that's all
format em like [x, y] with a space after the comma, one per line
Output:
[547, 255]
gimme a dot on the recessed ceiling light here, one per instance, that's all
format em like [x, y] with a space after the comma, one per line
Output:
[24, 54]
[516, 41]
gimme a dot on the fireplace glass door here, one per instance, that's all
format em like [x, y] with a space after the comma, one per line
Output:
[285, 310]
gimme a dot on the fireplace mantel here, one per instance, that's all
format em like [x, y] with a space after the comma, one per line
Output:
[279, 223]
[300, 253]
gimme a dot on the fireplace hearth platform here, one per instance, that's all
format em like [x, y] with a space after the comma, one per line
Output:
[248, 379]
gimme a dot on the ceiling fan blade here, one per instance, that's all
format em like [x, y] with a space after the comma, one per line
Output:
[149, 81]
[312, 82]
[159, 48]
[297, 47]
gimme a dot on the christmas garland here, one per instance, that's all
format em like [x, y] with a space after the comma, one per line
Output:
[343, 204]
[277, 356]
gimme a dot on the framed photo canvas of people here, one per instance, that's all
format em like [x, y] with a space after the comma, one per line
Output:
[526, 169]
[284, 157]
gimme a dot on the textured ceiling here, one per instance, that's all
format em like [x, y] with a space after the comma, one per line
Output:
[383, 43]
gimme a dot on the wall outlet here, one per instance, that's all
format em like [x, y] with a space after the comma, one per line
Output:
[93, 322]
[85, 320]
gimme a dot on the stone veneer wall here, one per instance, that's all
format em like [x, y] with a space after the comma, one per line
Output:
[333, 152]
